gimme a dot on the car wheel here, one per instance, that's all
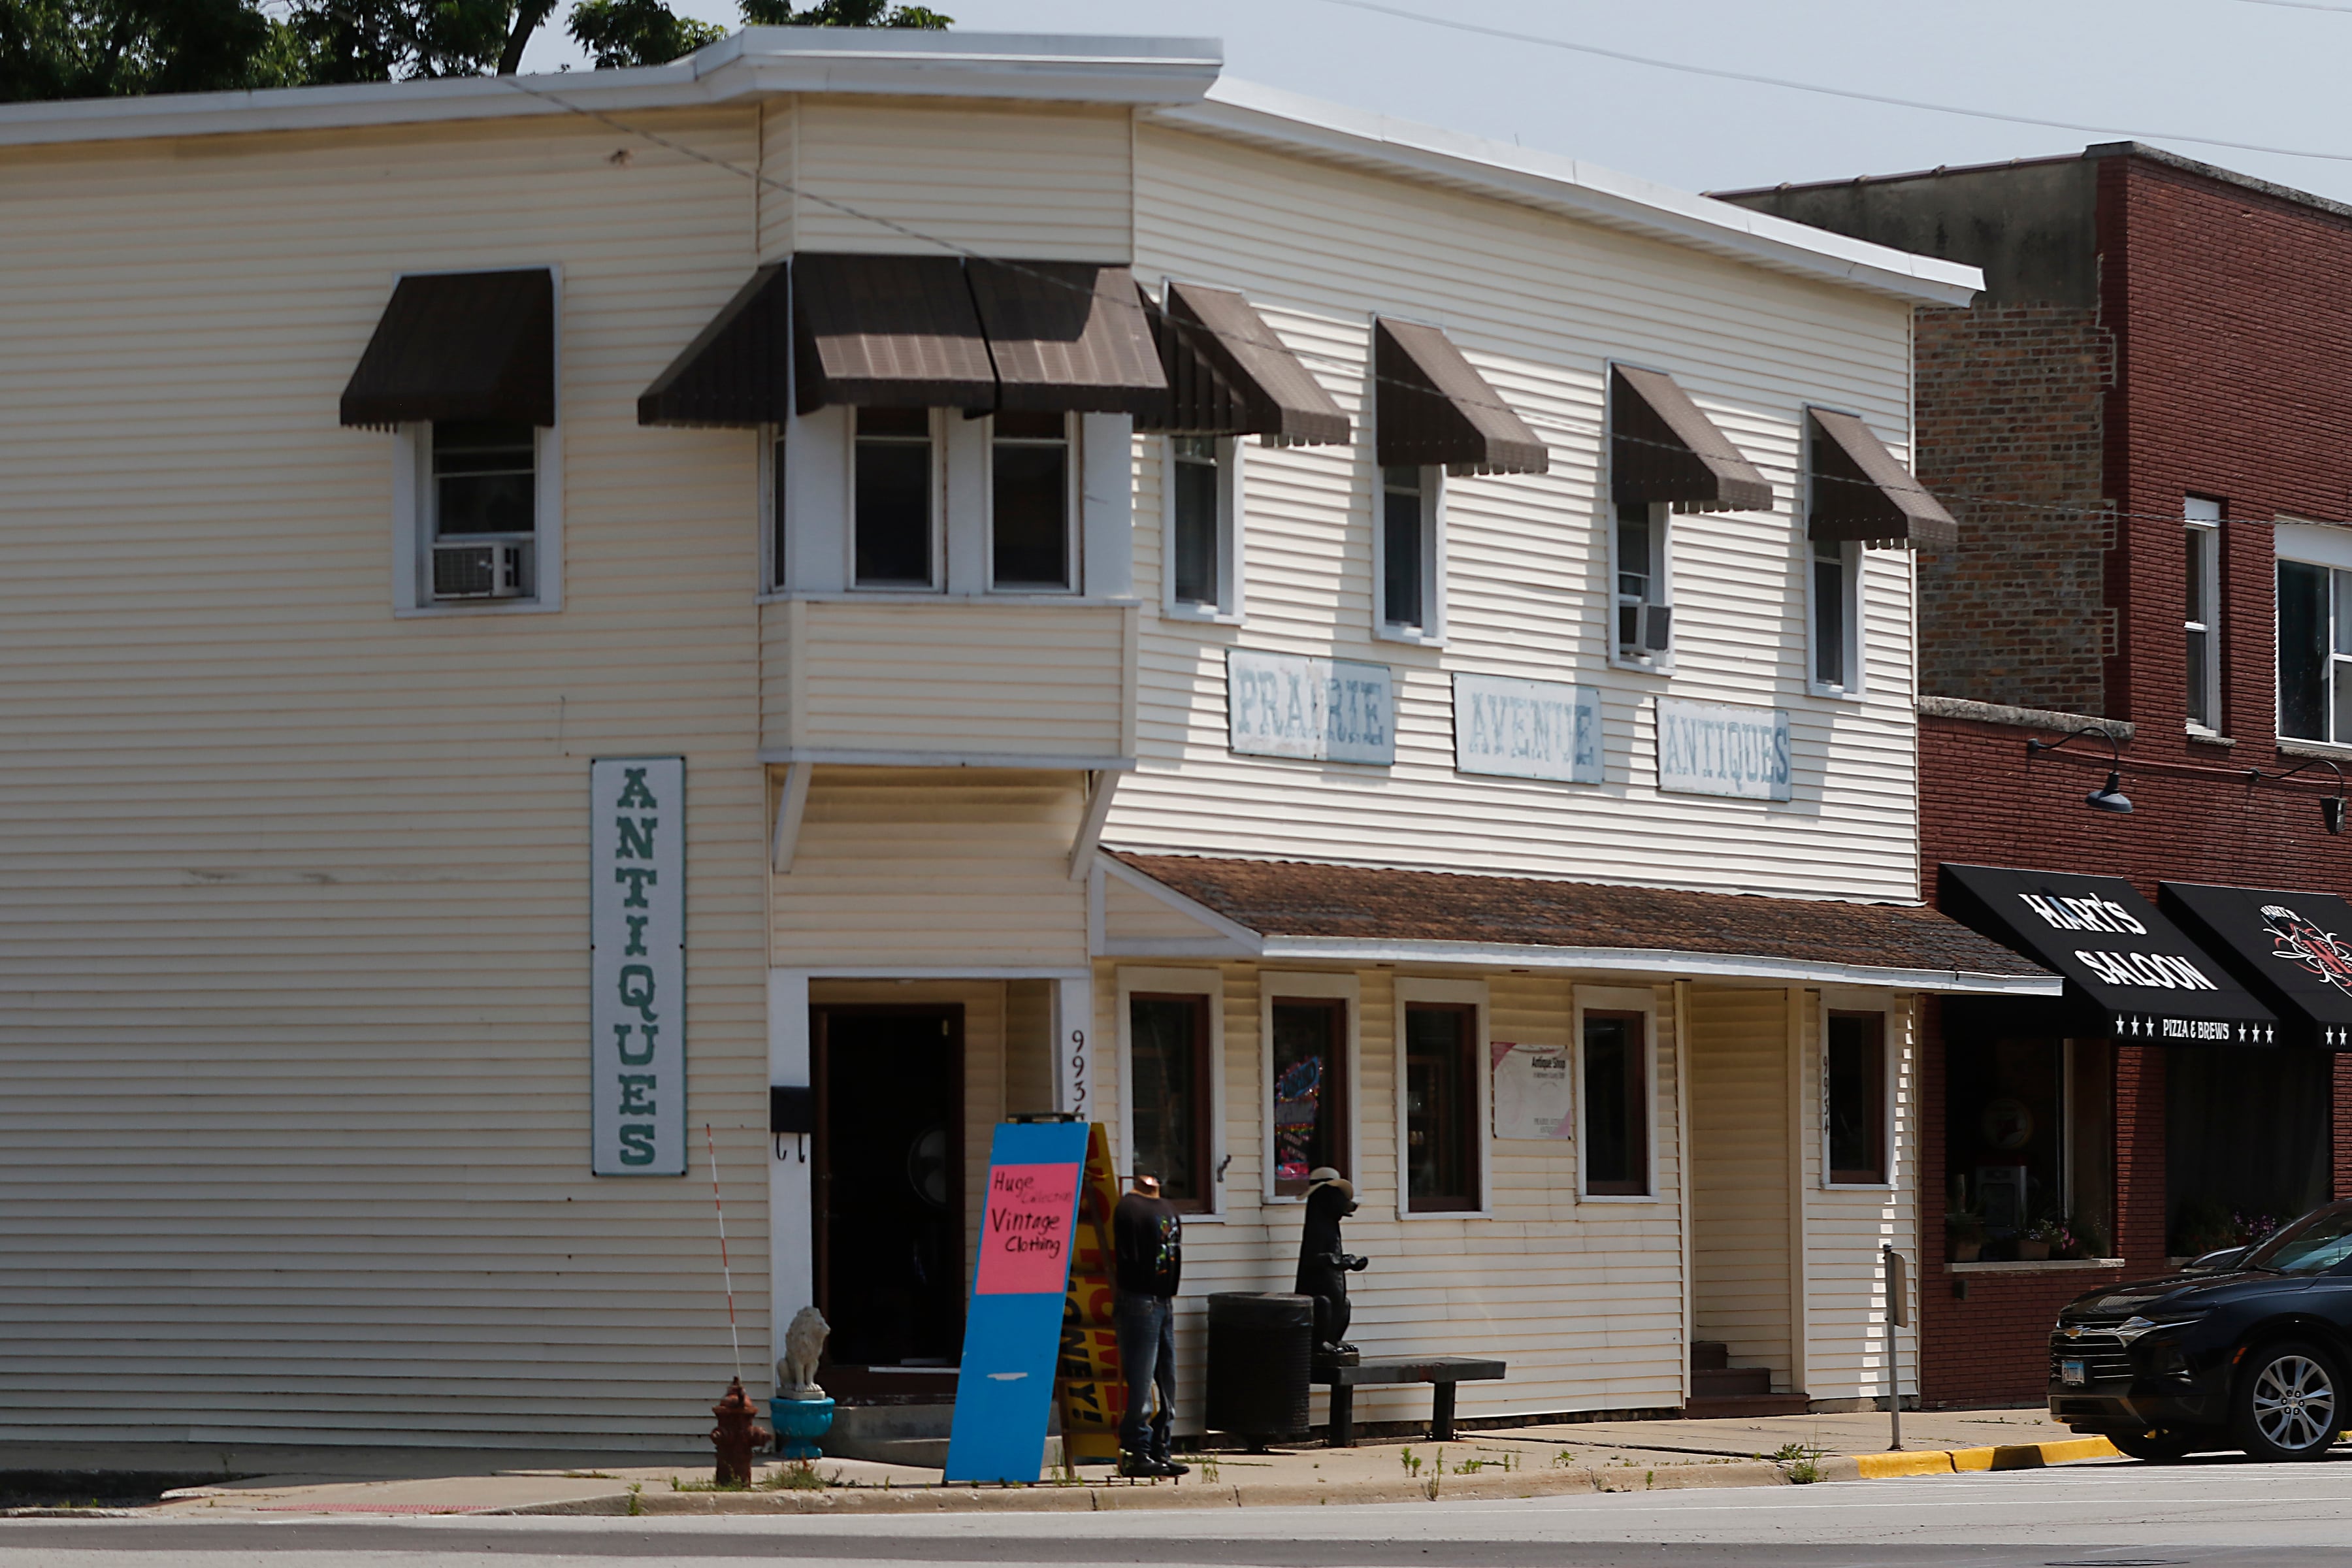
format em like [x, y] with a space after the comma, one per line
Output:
[2289, 1402]
[2160, 1446]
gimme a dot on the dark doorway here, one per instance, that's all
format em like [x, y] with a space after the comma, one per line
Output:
[889, 1187]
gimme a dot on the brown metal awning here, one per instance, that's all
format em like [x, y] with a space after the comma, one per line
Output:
[1229, 374]
[1433, 408]
[736, 372]
[1663, 448]
[1067, 338]
[459, 345]
[887, 332]
[1860, 491]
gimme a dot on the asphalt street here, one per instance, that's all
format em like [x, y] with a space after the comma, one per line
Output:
[2204, 1515]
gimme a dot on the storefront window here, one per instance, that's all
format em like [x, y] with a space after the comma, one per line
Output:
[1310, 1091]
[1168, 1052]
[2030, 1137]
[1616, 1106]
[1855, 1069]
[2246, 1143]
[1441, 1108]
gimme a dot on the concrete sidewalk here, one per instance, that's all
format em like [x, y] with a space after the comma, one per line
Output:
[1617, 1456]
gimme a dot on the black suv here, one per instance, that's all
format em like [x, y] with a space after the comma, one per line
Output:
[2252, 1349]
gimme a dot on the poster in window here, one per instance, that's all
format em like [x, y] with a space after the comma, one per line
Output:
[1532, 1092]
[1297, 1101]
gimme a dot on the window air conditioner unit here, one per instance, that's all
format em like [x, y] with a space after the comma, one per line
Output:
[1645, 628]
[478, 571]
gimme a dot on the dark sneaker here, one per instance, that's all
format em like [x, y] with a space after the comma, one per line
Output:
[1139, 1467]
[1168, 1466]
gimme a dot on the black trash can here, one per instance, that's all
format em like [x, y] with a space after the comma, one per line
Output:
[1259, 1349]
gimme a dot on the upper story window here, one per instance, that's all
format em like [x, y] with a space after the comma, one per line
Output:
[1201, 552]
[1644, 598]
[484, 508]
[1033, 533]
[1410, 557]
[894, 499]
[2314, 631]
[1835, 594]
[2201, 613]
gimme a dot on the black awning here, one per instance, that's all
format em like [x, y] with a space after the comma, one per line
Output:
[2291, 950]
[1067, 338]
[736, 372]
[1664, 448]
[459, 345]
[1229, 374]
[2131, 971]
[1861, 493]
[887, 332]
[1434, 409]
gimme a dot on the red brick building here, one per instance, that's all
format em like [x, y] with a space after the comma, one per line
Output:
[2144, 427]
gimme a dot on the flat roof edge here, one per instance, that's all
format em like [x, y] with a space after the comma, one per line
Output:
[757, 60]
[1252, 112]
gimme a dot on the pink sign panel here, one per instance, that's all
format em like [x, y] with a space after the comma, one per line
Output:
[1025, 1241]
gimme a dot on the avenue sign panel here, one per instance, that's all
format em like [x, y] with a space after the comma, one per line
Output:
[1323, 709]
[636, 966]
[1707, 748]
[1527, 729]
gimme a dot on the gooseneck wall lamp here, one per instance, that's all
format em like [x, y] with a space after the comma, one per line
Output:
[2109, 796]
[2331, 806]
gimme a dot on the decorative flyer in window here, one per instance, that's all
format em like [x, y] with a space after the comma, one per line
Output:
[1297, 1100]
[1532, 1092]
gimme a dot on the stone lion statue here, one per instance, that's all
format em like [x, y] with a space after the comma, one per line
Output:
[803, 1347]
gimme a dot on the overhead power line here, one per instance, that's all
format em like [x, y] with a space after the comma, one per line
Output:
[1851, 94]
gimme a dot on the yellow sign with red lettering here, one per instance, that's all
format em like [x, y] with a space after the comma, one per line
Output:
[1089, 1379]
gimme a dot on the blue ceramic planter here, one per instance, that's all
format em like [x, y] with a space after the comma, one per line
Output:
[799, 1422]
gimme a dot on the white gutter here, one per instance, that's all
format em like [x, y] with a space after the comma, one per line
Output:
[755, 62]
[1291, 121]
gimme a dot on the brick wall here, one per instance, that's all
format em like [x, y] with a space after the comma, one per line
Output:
[2012, 437]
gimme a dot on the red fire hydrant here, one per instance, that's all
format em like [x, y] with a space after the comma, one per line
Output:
[737, 1435]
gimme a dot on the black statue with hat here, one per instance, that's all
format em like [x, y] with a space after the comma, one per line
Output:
[1324, 1265]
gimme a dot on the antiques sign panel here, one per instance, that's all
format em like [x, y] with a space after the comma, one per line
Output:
[1322, 710]
[636, 934]
[1533, 1093]
[1707, 748]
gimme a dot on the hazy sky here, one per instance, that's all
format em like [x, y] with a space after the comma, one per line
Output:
[2267, 72]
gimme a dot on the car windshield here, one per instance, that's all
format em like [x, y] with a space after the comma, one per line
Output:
[2316, 1242]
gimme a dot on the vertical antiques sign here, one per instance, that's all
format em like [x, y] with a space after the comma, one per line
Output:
[1323, 709]
[636, 965]
[1707, 748]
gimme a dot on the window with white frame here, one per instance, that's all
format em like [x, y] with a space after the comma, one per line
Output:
[1410, 559]
[1616, 1092]
[1170, 1082]
[894, 499]
[1836, 600]
[1853, 1097]
[482, 500]
[1307, 1035]
[1201, 550]
[1442, 1109]
[1032, 504]
[2314, 632]
[1644, 634]
[2202, 613]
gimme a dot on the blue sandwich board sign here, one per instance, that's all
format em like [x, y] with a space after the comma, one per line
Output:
[1013, 1333]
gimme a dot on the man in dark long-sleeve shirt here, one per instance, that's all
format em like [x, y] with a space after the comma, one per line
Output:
[1147, 1239]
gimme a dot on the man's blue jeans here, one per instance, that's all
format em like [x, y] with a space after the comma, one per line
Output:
[1147, 1350]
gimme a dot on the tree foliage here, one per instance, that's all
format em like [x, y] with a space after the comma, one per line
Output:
[112, 49]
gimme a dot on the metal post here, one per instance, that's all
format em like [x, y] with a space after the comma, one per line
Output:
[1898, 1318]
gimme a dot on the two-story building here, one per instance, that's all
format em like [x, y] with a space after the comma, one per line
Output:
[2138, 427]
[1028, 575]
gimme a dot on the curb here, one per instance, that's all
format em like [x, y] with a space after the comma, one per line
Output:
[2012, 1457]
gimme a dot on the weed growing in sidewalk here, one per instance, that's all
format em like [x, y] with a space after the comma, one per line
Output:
[637, 1491]
[1208, 1468]
[797, 1476]
[1803, 1463]
[1410, 1461]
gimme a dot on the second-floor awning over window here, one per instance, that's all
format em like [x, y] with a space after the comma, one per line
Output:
[887, 332]
[1861, 493]
[1435, 409]
[1067, 337]
[1229, 374]
[736, 371]
[459, 345]
[1662, 448]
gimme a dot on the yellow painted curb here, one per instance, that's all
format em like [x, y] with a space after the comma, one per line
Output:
[2009, 1456]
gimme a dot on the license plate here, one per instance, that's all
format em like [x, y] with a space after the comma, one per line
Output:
[2069, 1373]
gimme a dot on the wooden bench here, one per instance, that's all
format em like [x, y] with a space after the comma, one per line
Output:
[1445, 1371]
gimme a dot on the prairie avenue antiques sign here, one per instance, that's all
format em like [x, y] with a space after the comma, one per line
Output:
[1322, 710]
[1527, 729]
[1707, 748]
[636, 966]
